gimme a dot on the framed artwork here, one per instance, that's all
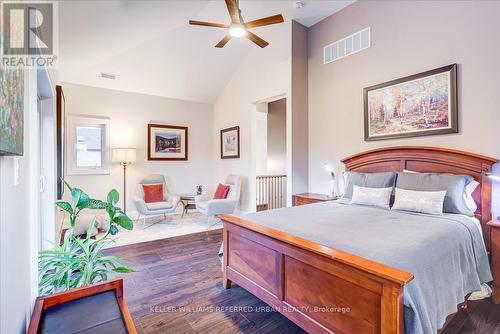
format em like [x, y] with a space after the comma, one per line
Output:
[419, 105]
[11, 112]
[230, 143]
[167, 142]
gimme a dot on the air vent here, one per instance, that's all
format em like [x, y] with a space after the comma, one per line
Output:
[347, 46]
[108, 76]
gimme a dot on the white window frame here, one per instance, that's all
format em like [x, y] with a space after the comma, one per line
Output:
[82, 120]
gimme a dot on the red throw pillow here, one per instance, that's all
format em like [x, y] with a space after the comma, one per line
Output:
[222, 191]
[153, 192]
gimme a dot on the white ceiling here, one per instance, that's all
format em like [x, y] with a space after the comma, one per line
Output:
[153, 50]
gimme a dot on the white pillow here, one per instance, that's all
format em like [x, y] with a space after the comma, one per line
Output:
[470, 203]
[430, 202]
[380, 197]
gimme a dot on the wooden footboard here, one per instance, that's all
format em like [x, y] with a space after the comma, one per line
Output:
[321, 289]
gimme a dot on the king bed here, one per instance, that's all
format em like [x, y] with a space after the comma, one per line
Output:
[337, 267]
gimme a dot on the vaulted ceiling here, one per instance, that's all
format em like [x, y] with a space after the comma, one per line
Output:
[152, 49]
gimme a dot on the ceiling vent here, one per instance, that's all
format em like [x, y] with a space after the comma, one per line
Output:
[347, 46]
[108, 76]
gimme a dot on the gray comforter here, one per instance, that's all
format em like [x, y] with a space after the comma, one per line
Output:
[446, 254]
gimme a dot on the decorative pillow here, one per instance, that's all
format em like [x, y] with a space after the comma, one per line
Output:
[430, 202]
[369, 180]
[153, 192]
[380, 197]
[469, 189]
[454, 185]
[222, 191]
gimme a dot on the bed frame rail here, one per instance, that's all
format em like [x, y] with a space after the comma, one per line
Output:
[321, 289]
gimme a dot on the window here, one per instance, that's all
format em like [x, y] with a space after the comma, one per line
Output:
[88, 142]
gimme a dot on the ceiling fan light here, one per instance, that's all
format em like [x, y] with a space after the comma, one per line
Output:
[237, 30]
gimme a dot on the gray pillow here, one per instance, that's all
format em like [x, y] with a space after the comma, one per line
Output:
[455, 186]
[368, 180]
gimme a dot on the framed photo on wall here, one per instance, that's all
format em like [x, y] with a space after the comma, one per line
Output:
[230, 143]
[11, 112]
[167, 142]
[418, 105]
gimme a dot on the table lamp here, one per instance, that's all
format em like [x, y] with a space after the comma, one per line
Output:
[334, 192]
[124, 156]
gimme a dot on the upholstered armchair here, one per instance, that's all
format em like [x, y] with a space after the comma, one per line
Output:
[209, 206]
[168, 205]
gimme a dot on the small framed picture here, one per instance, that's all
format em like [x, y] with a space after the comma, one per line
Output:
[167, 142]
[230, 143]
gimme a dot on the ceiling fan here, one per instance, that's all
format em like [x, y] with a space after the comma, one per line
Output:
[240, 28]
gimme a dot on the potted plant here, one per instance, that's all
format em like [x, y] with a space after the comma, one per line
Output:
[79, 261]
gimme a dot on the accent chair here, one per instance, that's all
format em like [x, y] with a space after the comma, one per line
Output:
[168, 205]
[209, 206]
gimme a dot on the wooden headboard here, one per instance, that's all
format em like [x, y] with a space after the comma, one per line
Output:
[432, 160]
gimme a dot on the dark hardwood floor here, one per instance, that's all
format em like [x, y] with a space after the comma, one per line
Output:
[177, 289]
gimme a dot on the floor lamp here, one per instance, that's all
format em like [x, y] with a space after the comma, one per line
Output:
[124, 156]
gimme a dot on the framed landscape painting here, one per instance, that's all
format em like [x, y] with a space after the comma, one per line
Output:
[419, 105]
[11, 112]
[230, 143]
[167, 142]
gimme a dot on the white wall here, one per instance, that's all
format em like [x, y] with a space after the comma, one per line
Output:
[263, 74]
[408, 37]
[130, 114]
[18, 226]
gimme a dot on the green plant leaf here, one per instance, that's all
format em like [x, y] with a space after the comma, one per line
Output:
[113, 197]
[123, 270]
[96, 204]
[124, 221]
[76, 194]
[84, 201]
[113, 229]
[65, 206]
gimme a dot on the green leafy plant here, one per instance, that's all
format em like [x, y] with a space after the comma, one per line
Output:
[77, 262]
[80, 261]
[82, 201]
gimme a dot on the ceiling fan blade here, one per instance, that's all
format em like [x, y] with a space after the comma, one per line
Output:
[265, 21]
[234, 11]
[208, 24]
[223, 41]
[256, 39]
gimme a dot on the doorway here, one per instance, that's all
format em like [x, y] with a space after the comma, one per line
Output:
[271, 154]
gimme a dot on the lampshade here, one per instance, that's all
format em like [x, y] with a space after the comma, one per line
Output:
[124, 155]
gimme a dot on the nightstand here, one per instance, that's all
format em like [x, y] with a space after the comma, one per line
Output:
[495, 259]
[309, 198]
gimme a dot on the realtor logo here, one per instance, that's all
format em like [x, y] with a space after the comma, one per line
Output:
[28, 33]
